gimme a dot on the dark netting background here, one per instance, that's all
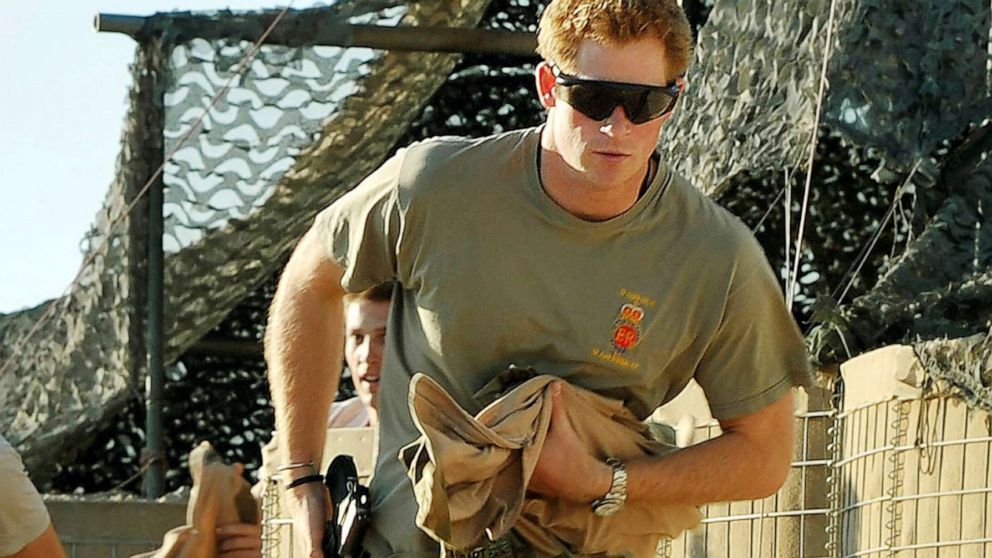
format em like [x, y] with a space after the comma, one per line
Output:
[842, 216]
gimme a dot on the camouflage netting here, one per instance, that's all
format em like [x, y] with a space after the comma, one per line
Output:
[941, 285]
[751, 92]
[906, 77]
[293, 134]
[251, 138]
[753, 89]
[84, 362]
[964, 365]
[207, 278]
[926, 112]
[909, 93]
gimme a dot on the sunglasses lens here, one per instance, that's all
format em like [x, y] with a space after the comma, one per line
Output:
[642, 106]
[594, 101]
[598, 100]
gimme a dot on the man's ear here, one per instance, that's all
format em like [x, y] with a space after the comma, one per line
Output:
[544, 79]
[682, 86]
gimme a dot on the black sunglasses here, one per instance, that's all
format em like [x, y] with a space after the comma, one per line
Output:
[598, 99]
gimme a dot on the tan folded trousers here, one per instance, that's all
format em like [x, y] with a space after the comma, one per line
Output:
[470, 474]
[219, 497]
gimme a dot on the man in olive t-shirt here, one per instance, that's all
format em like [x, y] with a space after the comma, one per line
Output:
[572, 248]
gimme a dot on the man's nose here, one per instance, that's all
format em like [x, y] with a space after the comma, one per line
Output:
[364, 349]
[617, 123]
[370, 349]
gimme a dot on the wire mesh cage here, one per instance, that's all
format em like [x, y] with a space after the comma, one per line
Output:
[792, 522]
[913, 478]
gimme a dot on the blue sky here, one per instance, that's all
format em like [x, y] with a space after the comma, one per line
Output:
[62, 108]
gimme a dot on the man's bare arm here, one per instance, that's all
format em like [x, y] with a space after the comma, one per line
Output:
[749, 460]
[303, 350]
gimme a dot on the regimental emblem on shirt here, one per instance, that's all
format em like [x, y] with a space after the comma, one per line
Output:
[627, 327]
[627, 331]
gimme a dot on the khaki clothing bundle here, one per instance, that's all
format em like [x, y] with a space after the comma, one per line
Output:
[470, 473]
[219, 497]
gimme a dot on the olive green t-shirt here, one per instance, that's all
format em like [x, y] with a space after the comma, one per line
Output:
[490, 272]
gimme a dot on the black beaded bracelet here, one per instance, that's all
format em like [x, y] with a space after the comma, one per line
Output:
[304, 480]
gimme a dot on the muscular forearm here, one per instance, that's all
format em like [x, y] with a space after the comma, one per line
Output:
[748, 461]
[303, 346]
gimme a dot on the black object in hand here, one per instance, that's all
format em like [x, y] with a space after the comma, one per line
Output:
[350, 511]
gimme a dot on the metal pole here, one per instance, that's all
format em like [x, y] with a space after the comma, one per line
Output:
[116, 23]
[154, 435]
[154, 452]
[299, 29]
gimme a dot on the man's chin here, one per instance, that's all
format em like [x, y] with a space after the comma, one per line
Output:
[611, 172]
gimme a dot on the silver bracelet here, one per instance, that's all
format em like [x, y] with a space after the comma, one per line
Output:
[291, 466]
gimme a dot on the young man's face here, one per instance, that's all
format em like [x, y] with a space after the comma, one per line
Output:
[613, 151]
[365, 336]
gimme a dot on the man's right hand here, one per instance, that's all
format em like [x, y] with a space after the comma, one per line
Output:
[304, 339]
[308, 505]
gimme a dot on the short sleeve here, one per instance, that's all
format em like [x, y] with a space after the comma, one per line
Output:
[362, 229]
[757, 353]
[23, 517]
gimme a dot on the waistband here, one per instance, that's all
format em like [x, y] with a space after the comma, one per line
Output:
[508, 546]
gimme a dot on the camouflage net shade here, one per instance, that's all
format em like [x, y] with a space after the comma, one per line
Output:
[941, 286]
[964, 365]
[299, 127]
[925, 84]
[752, 92]
[905, 82]
[902, 79]
[906, 77]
